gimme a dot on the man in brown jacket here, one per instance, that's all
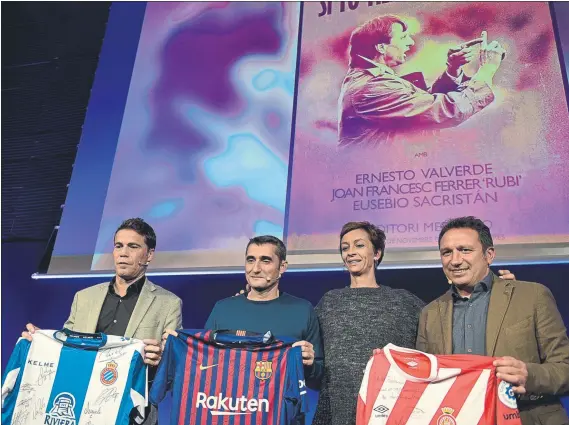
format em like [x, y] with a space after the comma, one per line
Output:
[517, 322]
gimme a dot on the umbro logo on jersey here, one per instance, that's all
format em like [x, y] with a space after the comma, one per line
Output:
[410, 361]
[202, 367]
[381, 409]
[509, 416]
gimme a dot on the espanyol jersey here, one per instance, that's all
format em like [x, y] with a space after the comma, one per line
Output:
[403, 386]
[220, 378]
[71, 378]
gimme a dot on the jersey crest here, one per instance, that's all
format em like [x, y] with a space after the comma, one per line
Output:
[109, 374]
[264, 370]
[447, 418]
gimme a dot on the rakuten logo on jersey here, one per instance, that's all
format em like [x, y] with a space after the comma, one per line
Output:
[227, 406]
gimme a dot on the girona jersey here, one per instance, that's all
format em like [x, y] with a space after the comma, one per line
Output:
[71, 378]
[403, 386]
[218, 378]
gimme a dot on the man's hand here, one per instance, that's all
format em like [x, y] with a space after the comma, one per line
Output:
[491, 54]
[307, 352]
[152, 352]
[513, 371]
[490, 58]
[27, 334]
[461, 55]
[506, 275]
[165, 335]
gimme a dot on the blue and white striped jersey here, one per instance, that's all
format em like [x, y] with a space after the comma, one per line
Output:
[71, 378]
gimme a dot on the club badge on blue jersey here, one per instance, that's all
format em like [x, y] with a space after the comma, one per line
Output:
[264, 370]
[109, 374]
[62, 410]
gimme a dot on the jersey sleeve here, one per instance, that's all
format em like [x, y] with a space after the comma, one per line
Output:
[13, 374]
[507, 412]
[138, 395]
[296, 398]
[135, 396]
[165, 373]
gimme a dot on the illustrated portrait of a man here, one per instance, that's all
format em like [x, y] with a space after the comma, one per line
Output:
[376, 105]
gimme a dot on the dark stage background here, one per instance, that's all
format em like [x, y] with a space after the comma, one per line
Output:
[49, 56]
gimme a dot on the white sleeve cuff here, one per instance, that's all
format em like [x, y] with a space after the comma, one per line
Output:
[456, 80]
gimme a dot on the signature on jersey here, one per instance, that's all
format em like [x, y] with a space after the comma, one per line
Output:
[39, 407]
[25, 402]
[21, 417]
[90, 411]
[45, 374]
[107, 395]
[111, 354]
[27, 388]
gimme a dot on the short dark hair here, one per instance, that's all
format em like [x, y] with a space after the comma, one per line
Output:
[376, 235]
[469, 222]
[371, 33]
[280, 248]
[142, 228]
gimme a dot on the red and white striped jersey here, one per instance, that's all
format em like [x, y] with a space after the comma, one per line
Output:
[409, 387]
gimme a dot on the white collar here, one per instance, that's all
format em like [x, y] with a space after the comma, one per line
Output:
[378, 68]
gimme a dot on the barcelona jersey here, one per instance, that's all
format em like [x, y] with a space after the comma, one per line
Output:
[231, 378]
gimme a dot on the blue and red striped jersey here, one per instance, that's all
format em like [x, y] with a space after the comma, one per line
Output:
[217, 377]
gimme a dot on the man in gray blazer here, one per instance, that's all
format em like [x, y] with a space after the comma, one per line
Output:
[129, 305]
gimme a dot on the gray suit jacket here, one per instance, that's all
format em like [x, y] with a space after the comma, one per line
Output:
[523, 322]
[156, 310]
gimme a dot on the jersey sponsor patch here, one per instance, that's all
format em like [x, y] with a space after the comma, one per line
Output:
[506, 394]
[62, 413]
[227, 406]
